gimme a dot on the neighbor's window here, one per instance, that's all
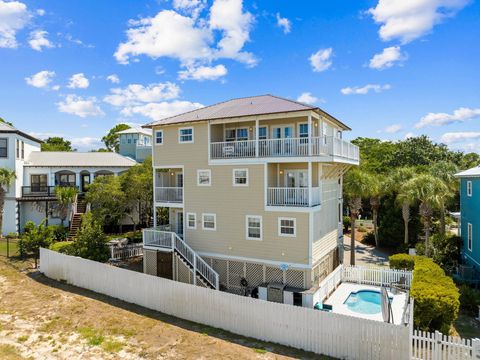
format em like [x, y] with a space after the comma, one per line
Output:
[38, 182]
[209, 221]
[242, 134]
[470, 236]
[469, 188]
[23, 150]
[66, 180]
[230, 135]
[240, 177]
[3, 148]
[254, 227]
[191, 221]
[18, 149]
[185, 135]
[204, 177]
[303, 130]
[159, 137]
[262, 133]
[287, 227]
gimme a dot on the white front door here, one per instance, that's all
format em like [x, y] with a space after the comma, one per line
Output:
[282, 132]
[295, 179]
[180, 223]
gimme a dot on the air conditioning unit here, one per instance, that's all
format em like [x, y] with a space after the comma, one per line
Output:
[275, 292]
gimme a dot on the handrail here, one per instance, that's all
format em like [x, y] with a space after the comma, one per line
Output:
[73, 209]
[169, 239]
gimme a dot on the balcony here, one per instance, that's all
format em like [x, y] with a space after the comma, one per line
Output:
[40, 191]
[169, 194]
[293, 196]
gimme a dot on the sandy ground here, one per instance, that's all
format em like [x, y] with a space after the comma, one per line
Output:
[365, 255]
[44, 319]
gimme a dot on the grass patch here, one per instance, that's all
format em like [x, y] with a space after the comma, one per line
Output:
[22, 338]
[92, 336]
[466, 326]
[112, 346]
[9, 352]
[260, 351]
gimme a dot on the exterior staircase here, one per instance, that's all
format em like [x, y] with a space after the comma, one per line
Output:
[79, 207]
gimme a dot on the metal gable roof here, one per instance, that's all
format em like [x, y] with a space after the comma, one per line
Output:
[78, 159]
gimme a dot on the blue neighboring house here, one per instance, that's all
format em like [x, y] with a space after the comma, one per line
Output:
[470, 216]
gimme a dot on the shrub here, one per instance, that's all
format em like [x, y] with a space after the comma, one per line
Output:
[34, 238]
[446, 250]
[469, 299]
[436, 296]
[402, 261]
[91, 242]
[59, 232]
[64, 247]
[369, 239]
[347, 223]
[361, 229]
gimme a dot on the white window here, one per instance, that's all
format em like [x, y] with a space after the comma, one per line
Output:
[159, 137]
[470, 236]
[287, 227]
[209, 222]
[236, 134]
[262, 133]
[303, 130]
[204, 177]
[191, 221]
[253, 227]
[185, 135]
[469, 188]
[240, 177]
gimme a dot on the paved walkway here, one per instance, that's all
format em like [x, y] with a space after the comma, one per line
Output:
[364, 254]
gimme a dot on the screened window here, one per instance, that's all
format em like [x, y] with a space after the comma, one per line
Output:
[303, 130]
[262, 133]
[191, 221]
[230, 135]
[469, 188]
[287, 227]
[3, 148]
[240, 177]
[185, 135]
[204, 177]
[254, 227]
[209, 221]
[242, 134]
[66, 180]
[470, 236]
[38, 182]
[159, 137]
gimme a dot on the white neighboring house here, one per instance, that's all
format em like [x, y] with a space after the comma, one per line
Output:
[32, 195]
[135, 143]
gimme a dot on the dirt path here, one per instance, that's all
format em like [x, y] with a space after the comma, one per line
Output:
[44, 319]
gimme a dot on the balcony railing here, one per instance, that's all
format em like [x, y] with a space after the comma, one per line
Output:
[292, 196]
[169, 194]
[290, 147]
[40, 191]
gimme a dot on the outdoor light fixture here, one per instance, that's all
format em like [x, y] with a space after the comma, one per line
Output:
[281, 172]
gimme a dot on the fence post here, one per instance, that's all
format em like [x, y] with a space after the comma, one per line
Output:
[111, 251]
[8, 247]
[437, 346]
[476, 348]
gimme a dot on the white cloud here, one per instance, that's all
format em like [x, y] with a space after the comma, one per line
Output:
[438, 119]
[71, 39]
[454, 137]
[86, 143]
[203, 73]
[38, 40]
[40, 12]
[83, 107]
[170, 34]
[191, 7]
[356, 90]
[307, 98]
[157, 111]
[135, 94]
[284, 24]
[393, 129]
[387, 58]
[13, 17]
[409, 135]
[321, 60]
[409, 20]
[41, 79]
[78, 81]
[113, 78]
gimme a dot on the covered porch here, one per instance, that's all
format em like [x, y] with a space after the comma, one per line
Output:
[169, 185]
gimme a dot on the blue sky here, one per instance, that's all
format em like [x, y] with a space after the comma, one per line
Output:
[387, 68]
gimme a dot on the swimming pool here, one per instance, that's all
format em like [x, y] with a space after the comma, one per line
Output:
[364, 302]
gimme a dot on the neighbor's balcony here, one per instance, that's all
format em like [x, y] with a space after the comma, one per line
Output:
[169, 194]
[40, 190]
[293, 196]
[289, 147]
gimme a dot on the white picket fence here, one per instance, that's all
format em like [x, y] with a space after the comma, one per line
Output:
[126, 251]
[335, 335]
[436, 346]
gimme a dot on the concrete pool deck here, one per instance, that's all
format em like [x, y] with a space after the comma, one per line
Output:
[338, 297]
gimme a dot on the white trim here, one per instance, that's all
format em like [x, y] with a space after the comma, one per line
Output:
[234, 177]
[186, 128]
[298, 128]
[155, 139]
[209, 177]
[294, 227]
[282, 126]
[247, 227]
[169, 205]
[214, 221]
[469, 236]
[236, 128]
[469, 188]
[194, 227]
[471, 258]
[293, 209]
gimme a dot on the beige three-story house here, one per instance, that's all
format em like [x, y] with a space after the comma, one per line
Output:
[248, 192]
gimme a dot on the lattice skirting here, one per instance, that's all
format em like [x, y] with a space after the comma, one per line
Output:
[324, 267]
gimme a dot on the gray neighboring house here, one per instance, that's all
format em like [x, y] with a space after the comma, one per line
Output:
[135, 143]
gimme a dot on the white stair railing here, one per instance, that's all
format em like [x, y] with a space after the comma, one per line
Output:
[170, 240]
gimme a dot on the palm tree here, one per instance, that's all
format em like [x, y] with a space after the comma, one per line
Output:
[6, 178]
[429, 191]
[65, 196]
[376, 189]
[356, 185]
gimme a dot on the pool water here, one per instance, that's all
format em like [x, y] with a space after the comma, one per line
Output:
[365, 302]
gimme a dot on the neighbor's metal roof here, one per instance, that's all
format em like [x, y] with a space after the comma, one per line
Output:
[473, 172]
[78, 159]
[247, 106]
[136, 131]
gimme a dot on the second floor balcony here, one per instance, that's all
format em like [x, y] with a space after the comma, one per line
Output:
[169, 186]
[169, 194]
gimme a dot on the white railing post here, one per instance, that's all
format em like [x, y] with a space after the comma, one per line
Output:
[476, 348]
[309, 183]
[256, 138]
[194, 269]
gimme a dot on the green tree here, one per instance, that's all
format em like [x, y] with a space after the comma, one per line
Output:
[377, 187]
[57, 143]
[356, 183]
[405, 196]
[35, 237]
[5, 122]
[91, 242]
[111, 139]
[65, 196]
[6, 178]
[375, 155]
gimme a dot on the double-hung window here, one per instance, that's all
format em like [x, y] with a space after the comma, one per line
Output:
[469, 236]
[191, 221]
[204, 177]
[159, 137]
[287, 227]
[303, 130]
[185, 135]
[242, 134]
[240, 177]
[469, 188]
[38, 183]
[209, 222]
[3, 148]
[18, 148]
[254, 227]
[262, 133]
[23, 150]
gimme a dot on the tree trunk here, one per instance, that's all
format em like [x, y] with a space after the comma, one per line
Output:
[406, 220]
[2, 205]
[353, 217]
[375, 226]
[442, 220]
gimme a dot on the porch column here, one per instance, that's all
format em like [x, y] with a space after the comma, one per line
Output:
[77, 179]
[256, 137]
[310, 128]
[154, 189]
[309, 183]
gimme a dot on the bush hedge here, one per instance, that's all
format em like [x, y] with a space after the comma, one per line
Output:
[402, 261]
[436, 296]
[64, 247]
